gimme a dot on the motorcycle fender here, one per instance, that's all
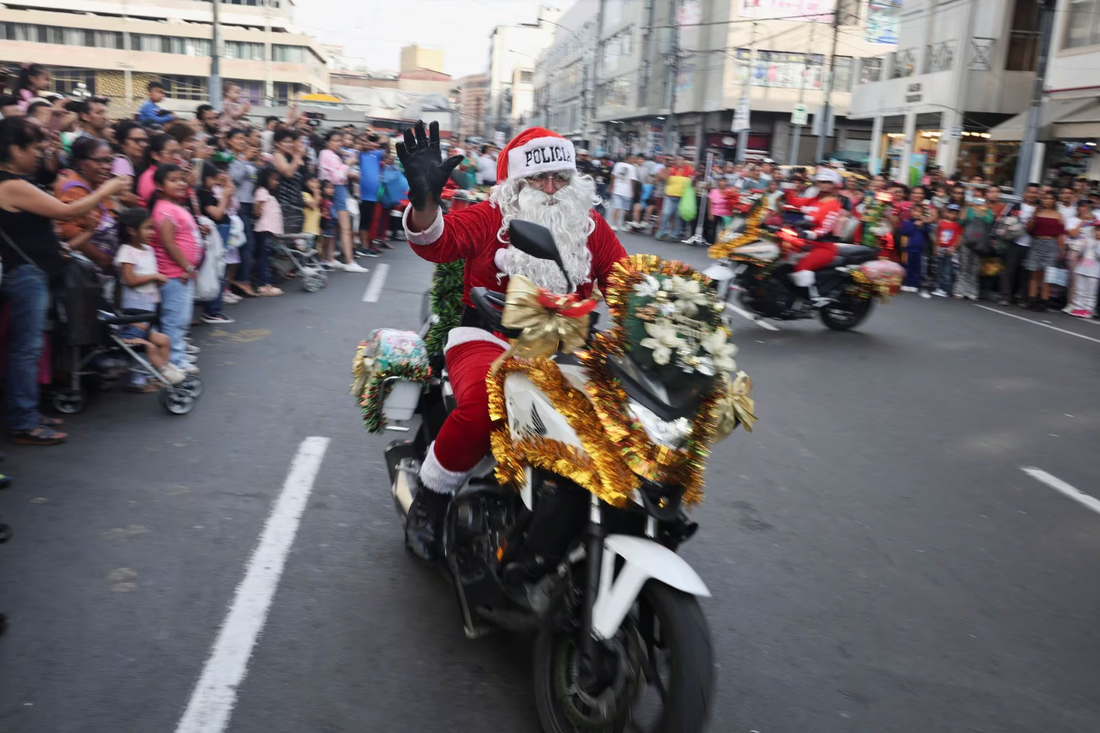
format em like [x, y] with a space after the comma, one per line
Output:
[643, 559]
[720, 272]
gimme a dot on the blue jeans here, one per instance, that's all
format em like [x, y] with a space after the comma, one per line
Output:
[945, 263]
[214, 307]
[176, 302]
[913, 259]
[670, 218]
[263, 259]
[26, 289]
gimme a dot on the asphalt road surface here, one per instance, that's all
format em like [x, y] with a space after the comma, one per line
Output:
[879, 559]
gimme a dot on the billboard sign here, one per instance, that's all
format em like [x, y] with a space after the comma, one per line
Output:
[882, 22]
[814, 11]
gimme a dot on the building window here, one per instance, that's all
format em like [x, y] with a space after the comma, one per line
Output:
[60, 36]
[619, 45]
[251, 91]
[185, 87]
[244, 50]
[526, 77]
[871, 71]
[285, 92]
[785, 70]
[1023, 38]
[616, 91]
[1082, 24]
[67, 81]
[289, 54]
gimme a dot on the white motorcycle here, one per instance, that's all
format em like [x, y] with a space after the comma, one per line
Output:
[622, 643]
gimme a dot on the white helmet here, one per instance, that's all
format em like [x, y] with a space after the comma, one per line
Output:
[827, 175]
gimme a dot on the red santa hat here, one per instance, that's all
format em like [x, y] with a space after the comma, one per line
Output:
[535, 150]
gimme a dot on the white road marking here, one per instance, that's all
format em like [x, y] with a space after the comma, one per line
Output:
[377, 280]
[1058, 484]
[1037, 323]
[215, 694]
[758, 321]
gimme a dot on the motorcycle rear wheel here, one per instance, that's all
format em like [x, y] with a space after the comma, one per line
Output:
[846, 313]
[682, 692]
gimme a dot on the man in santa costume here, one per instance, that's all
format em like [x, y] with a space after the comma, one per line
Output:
[537, 181]
[821, 212]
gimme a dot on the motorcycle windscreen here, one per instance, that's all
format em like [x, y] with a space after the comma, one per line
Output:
[668, 402]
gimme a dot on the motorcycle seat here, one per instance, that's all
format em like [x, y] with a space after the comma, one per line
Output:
[854, 253]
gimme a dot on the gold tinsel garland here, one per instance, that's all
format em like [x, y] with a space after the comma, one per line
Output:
[604, 473]
[721, 250]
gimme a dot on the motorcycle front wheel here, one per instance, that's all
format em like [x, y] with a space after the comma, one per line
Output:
[847, 313]
[659, 672]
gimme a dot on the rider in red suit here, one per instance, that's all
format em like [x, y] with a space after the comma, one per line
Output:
[823, 211]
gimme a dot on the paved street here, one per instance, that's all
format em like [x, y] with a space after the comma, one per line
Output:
[879, 561]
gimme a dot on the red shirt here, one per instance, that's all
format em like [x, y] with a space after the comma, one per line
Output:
[948, 234]
[822, 213]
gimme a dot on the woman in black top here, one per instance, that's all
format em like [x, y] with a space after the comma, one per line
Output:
[31, 254]
[289, 160]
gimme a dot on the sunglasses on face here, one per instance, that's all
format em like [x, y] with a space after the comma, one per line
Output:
[540, 180]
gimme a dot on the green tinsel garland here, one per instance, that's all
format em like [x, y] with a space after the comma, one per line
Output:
[445, 298]
[871, 217]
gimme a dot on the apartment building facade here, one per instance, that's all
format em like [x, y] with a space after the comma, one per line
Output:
[565, 77]
[699, 60]
[961, 70]
[114, 48]
[513, 53]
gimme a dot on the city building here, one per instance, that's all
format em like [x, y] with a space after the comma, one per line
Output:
[565, 77]
[473, 99]
[962, 69]
[513, 53]
[114, 48]
[671, 73]
[1070, 119]
[415, 58]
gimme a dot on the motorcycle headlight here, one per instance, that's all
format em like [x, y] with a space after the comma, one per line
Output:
[669, 433]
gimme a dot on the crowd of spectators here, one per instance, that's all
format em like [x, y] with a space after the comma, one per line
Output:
[961, 238]
[140, 198]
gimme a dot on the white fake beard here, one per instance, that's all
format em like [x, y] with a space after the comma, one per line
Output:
[568, 218]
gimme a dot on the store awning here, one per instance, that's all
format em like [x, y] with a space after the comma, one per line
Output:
[1053, 110]
[1084, 124]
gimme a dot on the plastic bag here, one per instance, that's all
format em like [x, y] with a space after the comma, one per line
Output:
[687, 206]
[208, 279]
[236, 232]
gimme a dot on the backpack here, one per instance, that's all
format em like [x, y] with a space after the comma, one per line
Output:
[976, 237]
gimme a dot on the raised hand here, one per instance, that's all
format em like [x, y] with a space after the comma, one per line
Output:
[425, 169]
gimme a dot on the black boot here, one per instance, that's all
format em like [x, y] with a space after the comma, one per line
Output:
[424, 525]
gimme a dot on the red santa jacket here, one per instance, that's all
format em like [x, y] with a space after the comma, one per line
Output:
[823, 213]
[472, 234]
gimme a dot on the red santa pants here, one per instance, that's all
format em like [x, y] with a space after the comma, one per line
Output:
[464, 438]
[818, 257]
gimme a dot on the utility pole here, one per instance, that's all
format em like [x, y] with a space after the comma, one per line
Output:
[674, 76]
[828, 89]
[214, 88]
[1031, 129]
[796, 132]
[746, 92]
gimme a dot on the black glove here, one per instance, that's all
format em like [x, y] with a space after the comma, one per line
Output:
[424, 167]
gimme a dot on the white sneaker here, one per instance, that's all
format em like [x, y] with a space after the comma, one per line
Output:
[614, 228]
[189, 369]
[190, 358]
[192, 349]
[939, 293]
[355, 267]
[908, 289]
[925, 294]
[172, 373]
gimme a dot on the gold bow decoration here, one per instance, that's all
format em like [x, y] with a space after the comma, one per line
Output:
[735, 405]
[550, 322]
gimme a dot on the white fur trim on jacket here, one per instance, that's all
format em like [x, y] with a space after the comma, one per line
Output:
[436, 478]
[541, 155]
[465, 334]
[430, 235]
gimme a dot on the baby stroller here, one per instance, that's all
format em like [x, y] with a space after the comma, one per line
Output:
[296, 253]
[95, 349]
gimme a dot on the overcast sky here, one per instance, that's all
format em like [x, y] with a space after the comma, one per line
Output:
[377, 30]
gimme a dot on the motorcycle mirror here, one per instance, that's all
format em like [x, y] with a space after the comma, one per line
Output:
[537, 241]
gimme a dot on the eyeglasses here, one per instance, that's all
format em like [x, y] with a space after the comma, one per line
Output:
[540, 180]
